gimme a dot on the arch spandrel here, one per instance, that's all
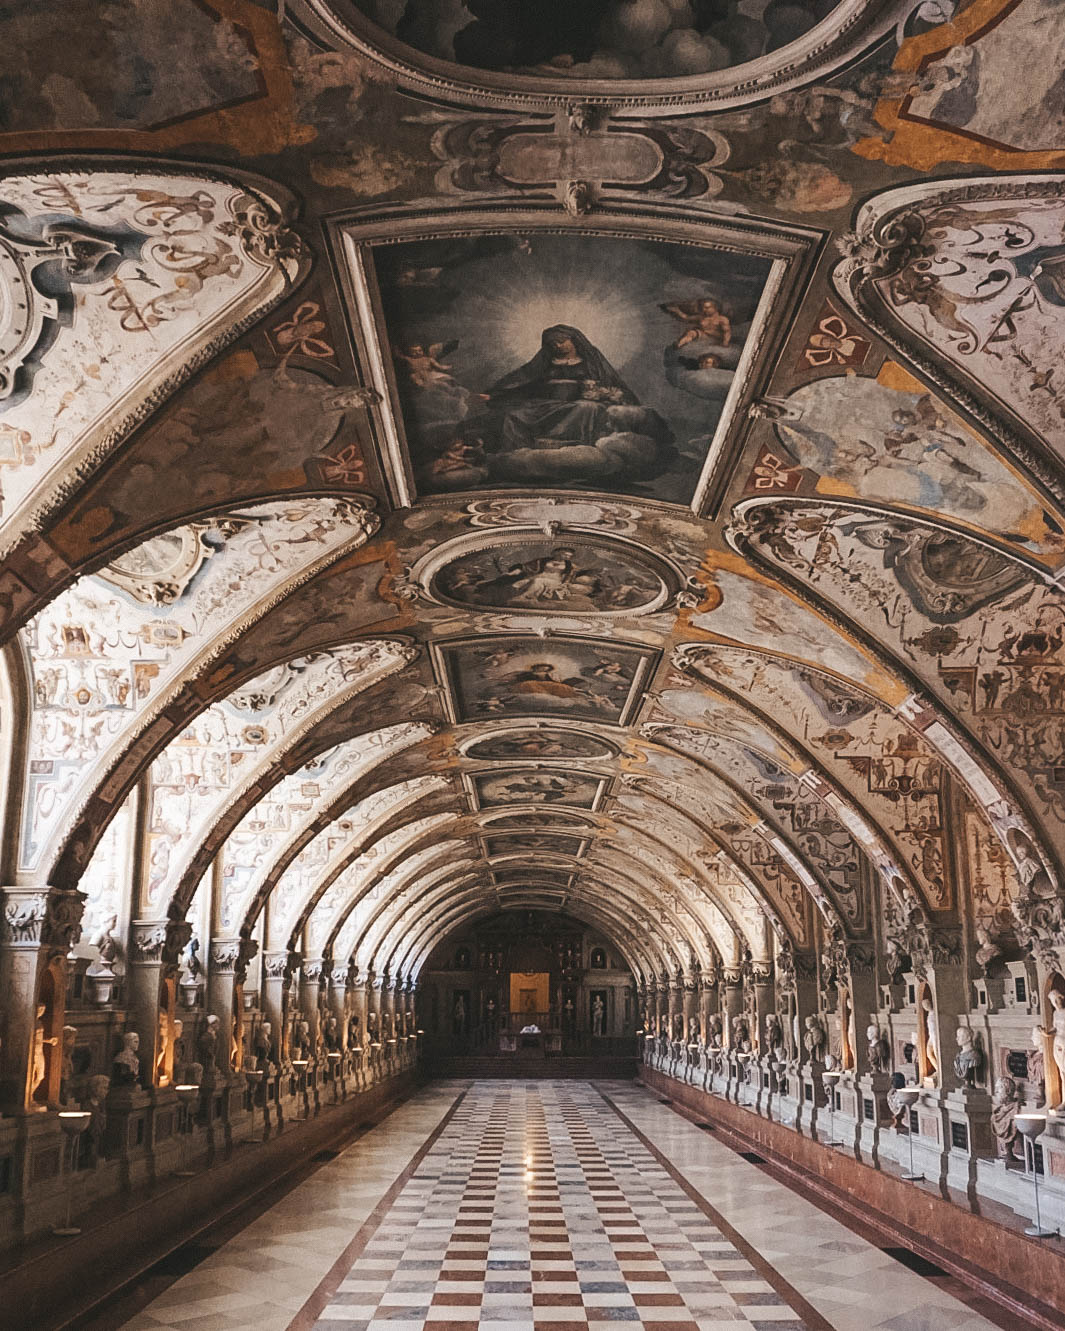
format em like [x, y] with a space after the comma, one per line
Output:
[138, 272]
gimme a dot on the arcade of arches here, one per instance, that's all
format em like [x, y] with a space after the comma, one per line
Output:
[531, 557]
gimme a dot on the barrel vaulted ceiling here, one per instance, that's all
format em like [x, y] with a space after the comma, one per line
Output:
[605, 457]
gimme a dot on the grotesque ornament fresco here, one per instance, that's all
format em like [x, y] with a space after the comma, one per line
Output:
[974, 273]
[581, 362]
[887, 439]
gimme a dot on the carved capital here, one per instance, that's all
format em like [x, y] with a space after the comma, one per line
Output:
[224, 955]
[315, 969]
[275, 964]
[148, 940]
[42, 917]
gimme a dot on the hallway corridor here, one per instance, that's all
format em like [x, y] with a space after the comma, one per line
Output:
[559, 1205]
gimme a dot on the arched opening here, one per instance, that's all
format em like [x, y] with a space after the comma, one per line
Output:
[525, 987]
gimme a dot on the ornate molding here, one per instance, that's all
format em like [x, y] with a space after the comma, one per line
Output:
[232, 956]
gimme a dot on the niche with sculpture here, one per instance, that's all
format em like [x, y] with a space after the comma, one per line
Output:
[236, 1030]
[165, 1033]
[846, 1030]
[44, 1073]
[928, 1071]
[1053, 1034]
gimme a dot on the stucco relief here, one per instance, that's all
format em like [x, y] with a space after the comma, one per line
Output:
[117, 285]
[967, 277]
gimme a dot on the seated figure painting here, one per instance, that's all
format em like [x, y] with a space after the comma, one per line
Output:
[539, 360]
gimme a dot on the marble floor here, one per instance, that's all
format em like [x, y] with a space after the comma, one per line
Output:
[551, 1205]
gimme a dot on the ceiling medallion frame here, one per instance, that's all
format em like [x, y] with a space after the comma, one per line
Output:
[429, 571]
[632, 666]
[533, 730]
[535, 804]
[852, 27]
[790, 251]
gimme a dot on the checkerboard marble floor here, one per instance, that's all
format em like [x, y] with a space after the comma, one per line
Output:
[547, 1206]
[537, 1207]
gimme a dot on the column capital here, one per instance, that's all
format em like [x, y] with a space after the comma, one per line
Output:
[316, 969]
[276, 964]
[158, 940]
[41, 917]
[232, 955]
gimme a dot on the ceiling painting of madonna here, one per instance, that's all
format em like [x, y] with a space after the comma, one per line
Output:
[601, 456]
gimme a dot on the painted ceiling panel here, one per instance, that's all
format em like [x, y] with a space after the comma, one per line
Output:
[633, 485]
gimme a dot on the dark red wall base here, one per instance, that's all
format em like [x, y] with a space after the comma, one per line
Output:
[1000, 1261]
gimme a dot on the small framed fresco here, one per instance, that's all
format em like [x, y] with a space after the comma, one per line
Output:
[582, 790]
[532, 352]
[528, 571]
[552, 876]
[539, 745]
[508, 678]
[535, 844]
[553, 819]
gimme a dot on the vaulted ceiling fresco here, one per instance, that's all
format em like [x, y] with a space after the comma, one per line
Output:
[602, 457]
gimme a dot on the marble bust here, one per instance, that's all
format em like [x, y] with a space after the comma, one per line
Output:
[125, 1070]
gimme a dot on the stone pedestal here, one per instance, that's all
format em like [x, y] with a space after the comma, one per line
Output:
[872, 1089]
[813, 1100]
[848, 1117]
[967, 1133]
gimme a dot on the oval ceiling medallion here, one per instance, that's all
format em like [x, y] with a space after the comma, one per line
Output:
[568, 574]
[664, 53]
[539, 744]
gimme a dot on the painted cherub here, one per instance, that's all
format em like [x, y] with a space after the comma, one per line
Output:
[702, 318]
[424, 367]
